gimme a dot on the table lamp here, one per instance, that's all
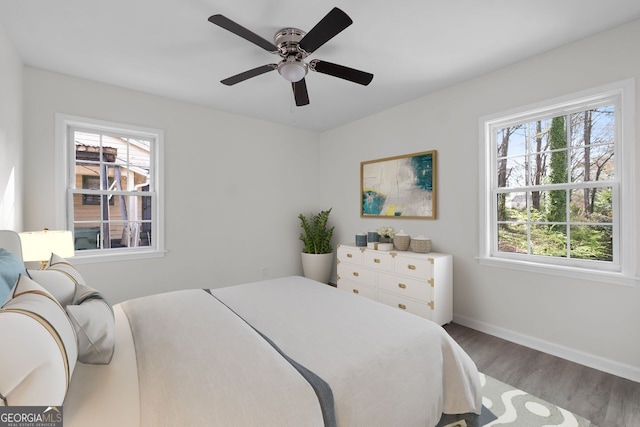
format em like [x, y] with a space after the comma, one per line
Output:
[39, 245]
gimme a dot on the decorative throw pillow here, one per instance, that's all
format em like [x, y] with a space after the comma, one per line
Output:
[39, 348]
[94, 323]
[11, 267]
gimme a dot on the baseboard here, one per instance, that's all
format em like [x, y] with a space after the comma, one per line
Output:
[602, 364]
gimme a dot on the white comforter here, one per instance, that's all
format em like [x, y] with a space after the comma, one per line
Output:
[197, 363]
[385, 367]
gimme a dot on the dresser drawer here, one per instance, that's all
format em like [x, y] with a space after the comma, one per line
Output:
[349, 254]
[356, 273]
[404, 286]
[358, 289]
[414, 267]
[418, 308]
[378, 260]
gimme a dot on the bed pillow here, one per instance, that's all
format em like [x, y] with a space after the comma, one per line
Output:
[11, 267]
[94, 323]
[58, 283]
[59, 278]
[39, 348]
[58, 263]
[91, 315]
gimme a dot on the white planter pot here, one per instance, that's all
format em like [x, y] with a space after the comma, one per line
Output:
[317, 266]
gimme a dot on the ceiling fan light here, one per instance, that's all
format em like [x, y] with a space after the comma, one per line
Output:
[292, 71]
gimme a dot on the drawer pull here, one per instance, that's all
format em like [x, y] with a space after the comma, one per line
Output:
[402, 306]
[376, 260]
[355, 273]
[402, 286]
[355, 291]
[349, 256]
[411, 267]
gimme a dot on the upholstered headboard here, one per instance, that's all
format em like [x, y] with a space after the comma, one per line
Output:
[10, 241]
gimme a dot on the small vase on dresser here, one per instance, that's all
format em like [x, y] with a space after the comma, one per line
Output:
[417, 283]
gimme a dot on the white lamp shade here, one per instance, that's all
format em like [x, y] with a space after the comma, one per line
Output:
[292, 71]
[39, 245]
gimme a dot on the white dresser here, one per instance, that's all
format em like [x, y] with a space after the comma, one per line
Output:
[421, 284]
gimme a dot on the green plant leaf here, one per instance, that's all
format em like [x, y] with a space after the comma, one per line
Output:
[315, 234]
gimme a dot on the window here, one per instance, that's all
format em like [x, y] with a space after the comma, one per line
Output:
[557, 186]
[111, 183]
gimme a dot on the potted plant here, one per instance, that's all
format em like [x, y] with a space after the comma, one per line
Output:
[317, 254]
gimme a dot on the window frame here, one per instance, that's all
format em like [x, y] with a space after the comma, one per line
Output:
[623, 271]
[65, 180]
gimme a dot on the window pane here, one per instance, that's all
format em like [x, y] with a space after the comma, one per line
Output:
[557, 172]
[537, 206]
[511, 141]
[593, 163]
[549, 240]
[512, 172]
[592, 242]
[596, 126]
[539, 168]
[86, 207]
[593, 138]
[118, 235]
[143, 231]
[87, 146]
[592, 205]
[139, 207]
[512, 238]
[139, 153]
[556, 205]
[86, 236]
[512, 206]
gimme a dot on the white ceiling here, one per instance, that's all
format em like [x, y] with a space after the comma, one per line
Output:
[413, 47]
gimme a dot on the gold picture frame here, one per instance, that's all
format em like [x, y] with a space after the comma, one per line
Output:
[400, 187]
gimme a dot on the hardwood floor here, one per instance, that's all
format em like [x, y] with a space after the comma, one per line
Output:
[606, 400]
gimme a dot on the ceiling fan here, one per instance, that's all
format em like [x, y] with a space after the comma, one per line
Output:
[294, 45]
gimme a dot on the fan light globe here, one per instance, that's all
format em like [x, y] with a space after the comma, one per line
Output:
[292, 71]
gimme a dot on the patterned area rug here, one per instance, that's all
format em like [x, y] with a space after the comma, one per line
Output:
[503, 405]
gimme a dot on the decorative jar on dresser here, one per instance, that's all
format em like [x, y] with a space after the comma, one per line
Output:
[421, 284]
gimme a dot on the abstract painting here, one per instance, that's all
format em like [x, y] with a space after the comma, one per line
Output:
[401, 186]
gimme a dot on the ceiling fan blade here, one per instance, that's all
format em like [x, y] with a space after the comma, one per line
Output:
[239, 30]
[340, 71]
[300, 93]
[331, 25]
[230, 81]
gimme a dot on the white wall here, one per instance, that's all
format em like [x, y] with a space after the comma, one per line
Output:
[595, 323]
[10, 135]
[234, 186]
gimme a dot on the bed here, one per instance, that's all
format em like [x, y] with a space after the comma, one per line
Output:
[282, 352]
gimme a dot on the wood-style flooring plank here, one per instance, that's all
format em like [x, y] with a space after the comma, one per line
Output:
[624, 405]
[604, 399]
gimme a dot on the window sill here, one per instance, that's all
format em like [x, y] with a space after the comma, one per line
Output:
[591, 275]
[92, 257]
